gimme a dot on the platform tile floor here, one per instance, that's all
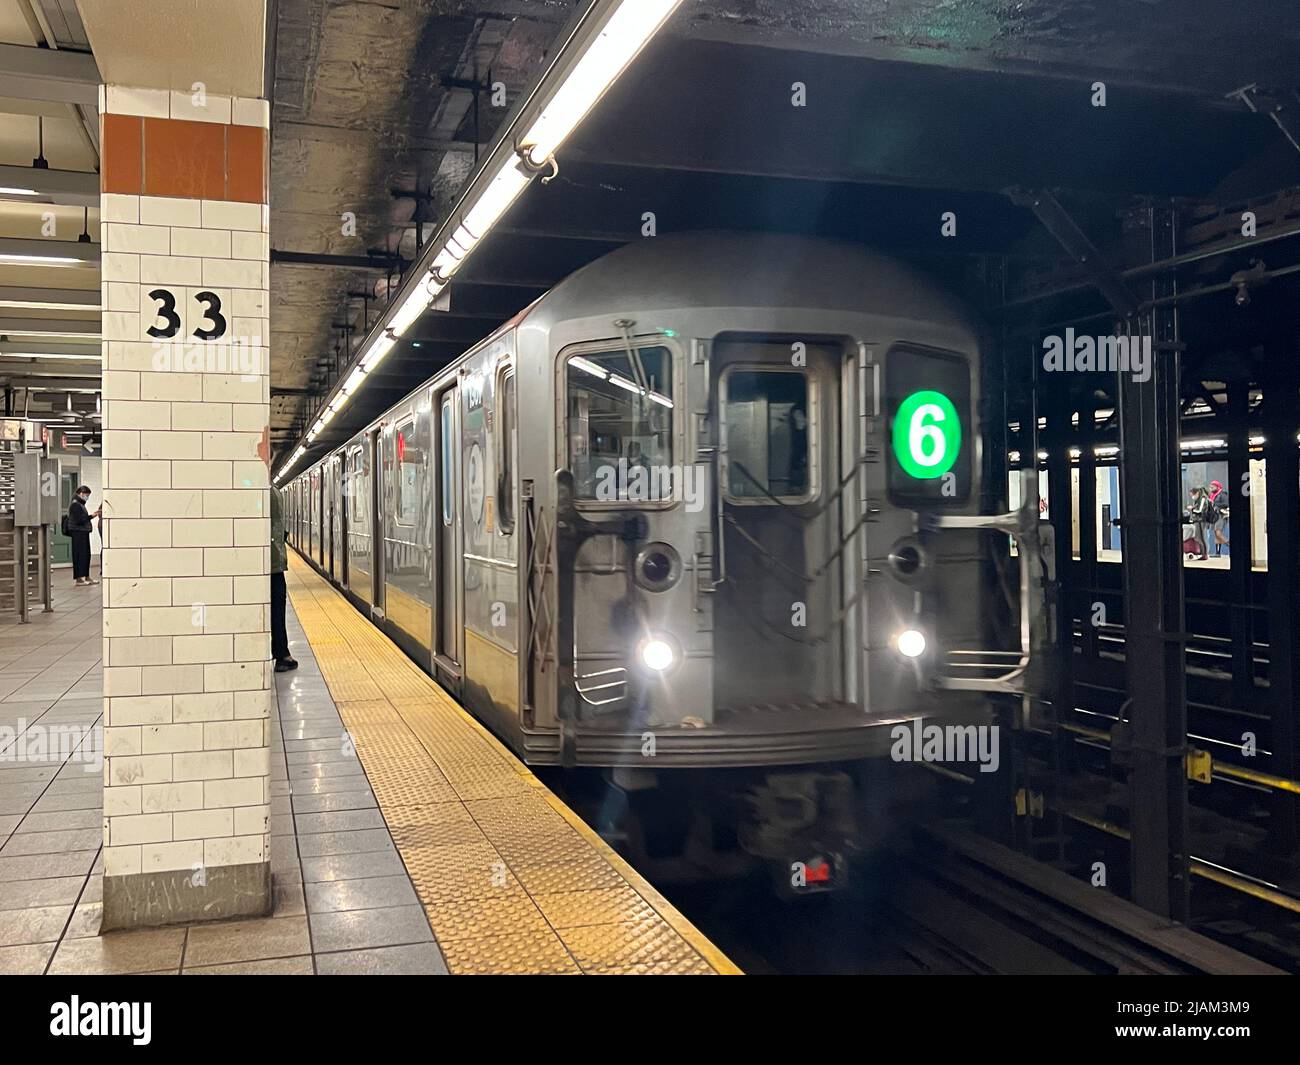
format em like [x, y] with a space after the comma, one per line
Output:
[343, 900]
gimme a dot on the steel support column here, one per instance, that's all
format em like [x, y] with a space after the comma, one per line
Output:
[1282, 470]
[1237, 420]
[1088, 530]
[1150, 478]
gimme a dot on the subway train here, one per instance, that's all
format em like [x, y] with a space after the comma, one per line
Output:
[706, 516]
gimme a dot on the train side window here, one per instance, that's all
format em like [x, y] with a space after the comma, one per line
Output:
[447, 425]
[358, 514]
[409, 462]
[769, 436]
[506, 444]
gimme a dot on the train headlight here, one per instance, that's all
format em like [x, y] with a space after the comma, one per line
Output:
[657, 653]
[910, 643]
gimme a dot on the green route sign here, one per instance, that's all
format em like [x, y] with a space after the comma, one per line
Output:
[927, 435]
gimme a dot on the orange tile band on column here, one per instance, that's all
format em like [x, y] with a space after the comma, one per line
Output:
[178, 158]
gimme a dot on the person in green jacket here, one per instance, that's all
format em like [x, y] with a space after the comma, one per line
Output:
[279, 594]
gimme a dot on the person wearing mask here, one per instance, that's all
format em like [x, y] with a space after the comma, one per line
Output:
[80, 524]
[279, 593]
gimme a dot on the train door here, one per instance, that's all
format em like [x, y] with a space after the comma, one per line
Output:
[333, 500]
[375, 493]
[778, 612]
[447, 560]
[345, 496]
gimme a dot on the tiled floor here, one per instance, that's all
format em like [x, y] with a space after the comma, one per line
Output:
[343, 903]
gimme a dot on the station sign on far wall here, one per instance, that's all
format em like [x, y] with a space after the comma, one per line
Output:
[928, 399]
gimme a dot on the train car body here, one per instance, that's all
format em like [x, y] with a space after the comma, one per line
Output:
[678, 512]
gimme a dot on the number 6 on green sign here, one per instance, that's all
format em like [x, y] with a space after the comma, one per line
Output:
[927, 435]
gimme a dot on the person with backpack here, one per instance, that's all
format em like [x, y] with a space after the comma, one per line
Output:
[78, 524]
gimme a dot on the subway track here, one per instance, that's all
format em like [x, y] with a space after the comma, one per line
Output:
[947, 902]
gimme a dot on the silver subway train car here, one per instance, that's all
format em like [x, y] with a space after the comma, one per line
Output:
[712, 503]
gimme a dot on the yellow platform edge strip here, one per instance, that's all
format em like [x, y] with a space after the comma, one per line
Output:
[671, 916]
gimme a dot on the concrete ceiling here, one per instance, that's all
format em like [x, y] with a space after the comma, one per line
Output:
[369, 100]
[924, 105]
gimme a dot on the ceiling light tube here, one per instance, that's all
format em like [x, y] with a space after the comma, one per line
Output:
[497, 199]
[354, 381]
[626, 29]
[623, 36]
[41, 260]
[50, 334]
[587, 366]
[48, 355]
[6, 191]
[416, 304]
[48, 305]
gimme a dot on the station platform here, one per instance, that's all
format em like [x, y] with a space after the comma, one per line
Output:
[405, 839]
[511, 880]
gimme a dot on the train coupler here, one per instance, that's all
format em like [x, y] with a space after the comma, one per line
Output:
[803, 825]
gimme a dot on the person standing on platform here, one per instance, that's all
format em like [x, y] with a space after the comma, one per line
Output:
[1199, 515]
[80, 524]
[279, 593]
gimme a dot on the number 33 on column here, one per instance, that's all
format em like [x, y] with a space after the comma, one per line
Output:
[194, 312]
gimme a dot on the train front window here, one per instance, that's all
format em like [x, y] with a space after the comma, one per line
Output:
[620, 424]
[768, 416]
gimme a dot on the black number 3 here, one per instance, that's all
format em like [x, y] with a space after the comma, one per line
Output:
[213, 302]
[168, 312]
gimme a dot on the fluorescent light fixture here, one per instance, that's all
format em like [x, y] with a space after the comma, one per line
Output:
[631, 386]
[381, 347]
[414, 306]
[48, 305]
[6, 191]
[587, 366]
[354, 381]
[50, 334]
[631, 24]
[626, 32]
[624, 383]
[495, 200]
[43, 355]
[40, 260]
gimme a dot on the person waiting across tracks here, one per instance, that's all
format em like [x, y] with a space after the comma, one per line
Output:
[1198, 513]
[279, 593]
[1219, 508]
[80, 523]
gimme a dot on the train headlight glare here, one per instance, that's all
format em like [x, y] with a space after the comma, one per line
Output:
[911, 643]
[658, 654]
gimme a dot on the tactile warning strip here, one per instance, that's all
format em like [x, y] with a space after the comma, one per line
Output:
[511, 879]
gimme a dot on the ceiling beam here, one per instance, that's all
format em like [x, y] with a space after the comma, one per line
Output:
[50, 299]
[42, 383]
[351, 262]
[48, 327]
[49, 74]
[66, 188]
[82, 253]
[39, 348]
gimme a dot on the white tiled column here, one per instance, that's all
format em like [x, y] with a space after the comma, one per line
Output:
[186, 561]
